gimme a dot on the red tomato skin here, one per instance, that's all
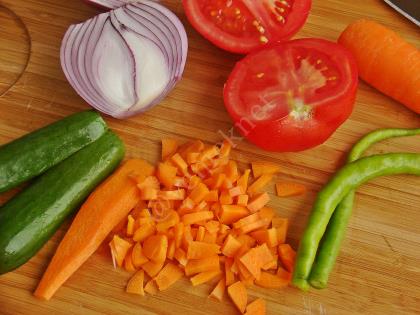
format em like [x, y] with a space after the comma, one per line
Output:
[278, 136]
[234, 44]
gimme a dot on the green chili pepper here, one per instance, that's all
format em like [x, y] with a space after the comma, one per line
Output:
[331, 241]
[347, 179]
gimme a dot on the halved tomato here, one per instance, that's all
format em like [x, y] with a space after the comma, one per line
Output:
[292, 96]
[242, 25]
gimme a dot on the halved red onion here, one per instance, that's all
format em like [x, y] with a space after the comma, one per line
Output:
[127, 60]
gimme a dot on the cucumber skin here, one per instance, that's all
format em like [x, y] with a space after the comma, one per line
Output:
[36, 152]
[29, 219]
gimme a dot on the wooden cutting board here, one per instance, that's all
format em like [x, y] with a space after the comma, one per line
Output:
[378, 271]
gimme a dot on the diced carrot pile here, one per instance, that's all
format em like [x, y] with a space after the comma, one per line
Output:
[201, 217]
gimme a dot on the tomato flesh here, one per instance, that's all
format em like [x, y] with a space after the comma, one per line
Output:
[292, 96]
[243, 25]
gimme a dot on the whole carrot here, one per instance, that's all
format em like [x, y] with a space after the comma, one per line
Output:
[385, 61]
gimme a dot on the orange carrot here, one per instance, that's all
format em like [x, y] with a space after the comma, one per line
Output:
[243, 180]
[256, 308]
[194, 266]
[242, 200]
[259, 184]
[119, 249]
[232, 213]
[204, 277]
[171, 220]
[273, 265]
[255, 259]
[195, 217]
[169, 148]
[166, 174]
[178, 194]
[210, 237]
[288, 189]
[130, 225]
[148, 193]
[181, 256]
[225, 198]
[200, 233]
[151, 287]
[144, 232]
[229, 275]
[219, 290]
[239, 296]
[198, 250]
[192, 157]
[260, 168]
[152, 268]
[102, 211]
[199, 193]
[254, 226]
[180, 163]
[168, 276]
[267, 213]
[236, 191]
[148, 182]
[231, 171]
[252, 263]
[282, 273]
[135, 284]
[212, 196]
[385, 60]
[225, 149]
[171, 249]
[287, 256]
[231, 246]
[128, 262]
[282, 225]
[137, 256]
[247, 220]
[212, 226]
[258, 202]
[271, 281]
[178, 233]
[155, 248]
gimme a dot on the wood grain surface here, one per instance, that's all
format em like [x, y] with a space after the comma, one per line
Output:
[378, 271]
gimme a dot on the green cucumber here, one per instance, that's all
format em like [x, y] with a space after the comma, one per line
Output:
[33, 154]
[29, 219]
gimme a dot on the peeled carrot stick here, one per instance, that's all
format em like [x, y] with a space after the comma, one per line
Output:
[385, 60]
[105, 208]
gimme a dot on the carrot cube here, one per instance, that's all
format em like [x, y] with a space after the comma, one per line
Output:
[169, 147]
[198, 250]
[219, 290]
[194, 266]
[258, 202]
[168, 276]
[204, 277]
[288, 189]
[239, 296]
[232, 213]
[260, 168]
[135, 284]
[231, 246]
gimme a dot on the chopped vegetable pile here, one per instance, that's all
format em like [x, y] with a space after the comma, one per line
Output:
[201, 217]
